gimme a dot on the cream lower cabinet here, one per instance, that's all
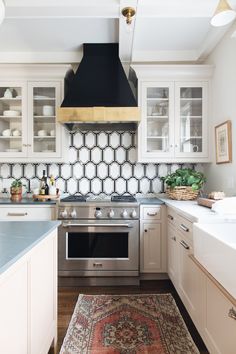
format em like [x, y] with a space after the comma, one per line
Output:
[191, 284]
[28, 301]
[27, 212]
[220, 328]
[212, 311]
[152, 239]
[172, 263]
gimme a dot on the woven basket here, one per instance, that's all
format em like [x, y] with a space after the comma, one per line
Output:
[181, 193]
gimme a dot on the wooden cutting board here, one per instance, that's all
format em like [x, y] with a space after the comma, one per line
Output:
[44, 198]
[206, 202]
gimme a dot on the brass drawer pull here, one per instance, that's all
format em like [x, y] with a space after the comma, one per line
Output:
[184, 228]
[232, 313]
[17, 214]
[152, 214]
[170, 217]
[173, 238]
[184, 244]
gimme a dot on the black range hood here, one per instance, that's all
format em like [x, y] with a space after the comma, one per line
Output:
[99, 92]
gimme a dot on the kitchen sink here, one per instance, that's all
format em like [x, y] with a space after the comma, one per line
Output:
[214, 246]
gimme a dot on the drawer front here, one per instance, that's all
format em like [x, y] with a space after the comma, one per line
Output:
[151, 213]
[171, 216]
[26, 213]
[185, 228]
[220, 321]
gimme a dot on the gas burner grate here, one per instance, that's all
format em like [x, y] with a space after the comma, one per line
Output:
[74, 198]
[123, 198]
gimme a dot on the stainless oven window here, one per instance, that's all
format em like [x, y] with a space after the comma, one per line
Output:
[97, 245]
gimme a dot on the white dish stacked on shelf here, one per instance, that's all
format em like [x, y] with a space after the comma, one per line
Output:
[11, 113]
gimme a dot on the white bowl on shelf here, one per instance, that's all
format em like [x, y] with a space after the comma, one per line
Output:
[11, 113]
[6, 132]
[42, 133]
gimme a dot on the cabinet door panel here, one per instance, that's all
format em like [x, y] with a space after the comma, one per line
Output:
[220, 328]
[191, 282]
[13, 116]
[13, 310]
[191, 118]
[172, 254]
[42, 295]
[44, 131]
[157, 127]
[152, 247]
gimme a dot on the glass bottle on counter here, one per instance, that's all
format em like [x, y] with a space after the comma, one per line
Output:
[44, 188]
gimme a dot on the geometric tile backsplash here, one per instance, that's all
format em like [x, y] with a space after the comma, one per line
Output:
[99, 162]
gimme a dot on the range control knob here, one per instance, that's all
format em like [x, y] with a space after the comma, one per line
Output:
[73, 214]
[64, 213]
[124, 213]
[98, 214]
[111, 214]
[133, 214]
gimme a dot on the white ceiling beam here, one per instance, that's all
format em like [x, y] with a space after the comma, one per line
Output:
[212, 39]
[164, 56]
[126, 32]
[62, 9]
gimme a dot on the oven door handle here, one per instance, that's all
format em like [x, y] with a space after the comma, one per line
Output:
[97, 225]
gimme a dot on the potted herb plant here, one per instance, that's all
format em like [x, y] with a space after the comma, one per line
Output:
[184, 184]
[16, 191]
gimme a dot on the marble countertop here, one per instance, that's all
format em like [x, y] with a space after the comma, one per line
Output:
[17, 238]
[148, 201]
[191, 210]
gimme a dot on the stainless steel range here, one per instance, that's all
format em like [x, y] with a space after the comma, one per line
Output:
[98, 240]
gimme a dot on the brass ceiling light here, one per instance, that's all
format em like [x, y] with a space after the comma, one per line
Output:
[223, 15]
[129, 13]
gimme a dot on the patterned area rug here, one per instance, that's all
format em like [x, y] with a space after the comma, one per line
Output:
[127, 324]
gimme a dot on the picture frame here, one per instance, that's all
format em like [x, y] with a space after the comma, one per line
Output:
[223, 142]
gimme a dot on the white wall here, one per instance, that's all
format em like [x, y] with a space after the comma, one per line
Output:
[223, 107]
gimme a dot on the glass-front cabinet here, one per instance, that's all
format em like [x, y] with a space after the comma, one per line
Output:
[44, 134]
[191, 119]
[174, 122]
[13, 124]
[157, 120]
[174, 112]
[29, 98]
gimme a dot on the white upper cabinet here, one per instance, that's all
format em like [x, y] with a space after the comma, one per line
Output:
[29, 131]
[175, 112]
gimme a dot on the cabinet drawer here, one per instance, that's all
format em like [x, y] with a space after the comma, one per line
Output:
[26, 213]
[151, 213]
[220, 321]
[171, 216]
[185, 227]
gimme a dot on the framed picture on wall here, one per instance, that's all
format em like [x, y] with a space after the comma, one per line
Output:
[223, 141]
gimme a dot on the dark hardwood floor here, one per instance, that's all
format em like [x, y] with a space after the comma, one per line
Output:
[68, 296]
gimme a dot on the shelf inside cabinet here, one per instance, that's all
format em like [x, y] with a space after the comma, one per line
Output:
[156, 117]
[157, 137]
[10, 99]
[10, 137]
[191, 117]
[44, 137]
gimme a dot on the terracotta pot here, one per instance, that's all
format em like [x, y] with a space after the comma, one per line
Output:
[16, 194]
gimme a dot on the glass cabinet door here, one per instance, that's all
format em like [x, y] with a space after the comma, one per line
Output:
[158, 116]
[13, 135]
[191, 115]
[44, 131]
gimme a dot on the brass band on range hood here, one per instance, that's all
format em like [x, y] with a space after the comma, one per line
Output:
[98, 114]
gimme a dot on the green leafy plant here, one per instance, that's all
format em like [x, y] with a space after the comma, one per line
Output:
[185, 177]
[16, 184]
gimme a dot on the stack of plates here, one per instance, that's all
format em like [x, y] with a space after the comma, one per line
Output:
[11, 113]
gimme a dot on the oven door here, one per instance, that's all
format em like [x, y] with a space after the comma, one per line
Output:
[98, 248]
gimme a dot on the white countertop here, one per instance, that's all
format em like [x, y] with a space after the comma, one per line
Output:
[191, 210]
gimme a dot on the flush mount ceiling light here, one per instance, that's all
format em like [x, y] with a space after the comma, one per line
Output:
[223, 15]
[129, 13]
[2, 11]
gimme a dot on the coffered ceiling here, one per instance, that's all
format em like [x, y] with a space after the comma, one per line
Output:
[162, 31]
